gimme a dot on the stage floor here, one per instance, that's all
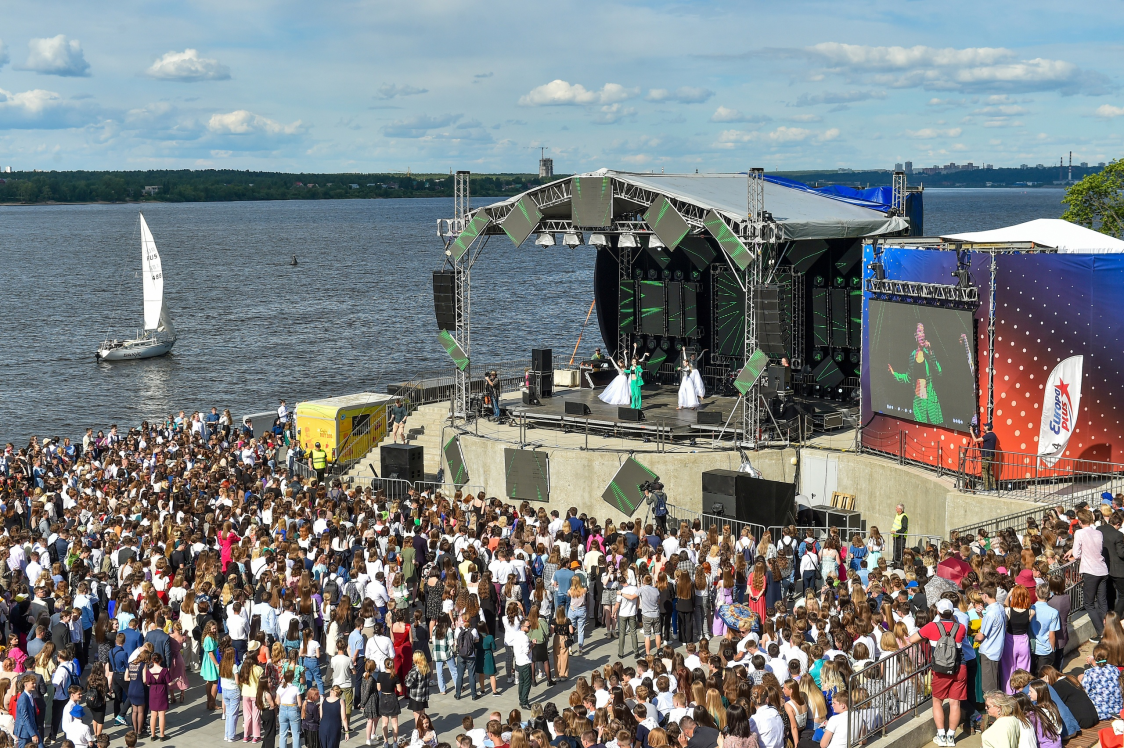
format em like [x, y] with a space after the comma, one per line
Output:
[660, 413]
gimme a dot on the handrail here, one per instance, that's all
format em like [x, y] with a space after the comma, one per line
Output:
[886, 691]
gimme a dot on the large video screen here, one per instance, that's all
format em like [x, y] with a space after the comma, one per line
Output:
[922, 363]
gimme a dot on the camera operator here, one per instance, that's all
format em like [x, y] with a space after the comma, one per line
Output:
[657, 499]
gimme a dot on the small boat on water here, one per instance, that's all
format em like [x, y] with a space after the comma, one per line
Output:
[159, 336]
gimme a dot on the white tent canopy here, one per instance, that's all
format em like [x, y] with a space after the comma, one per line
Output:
[1061, 235]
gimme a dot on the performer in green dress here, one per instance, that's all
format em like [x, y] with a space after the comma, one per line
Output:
[635, 379]
[923, 366]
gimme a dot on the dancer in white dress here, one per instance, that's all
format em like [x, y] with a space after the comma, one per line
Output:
[618, 392]
[688, 397]
[696, 377]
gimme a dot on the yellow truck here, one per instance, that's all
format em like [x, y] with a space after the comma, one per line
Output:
[351, 423]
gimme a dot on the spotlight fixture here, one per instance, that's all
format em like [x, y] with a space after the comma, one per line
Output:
[572, 239]
[695, 275]
[678, 275]
[838, 357]
[638, 273]
[855, 281]
[628, 240]
[655, 243]
[878, 270]
[667, 275]
[545, 240]
[818, 281]
[651, 342]
[854, 357]
[817, 356]
[598, 240]
[840, 281]
[652, 274]
[665, 344]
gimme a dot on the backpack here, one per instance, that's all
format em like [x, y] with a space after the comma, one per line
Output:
[466, 646]
[94, 698]
[332, 590]
[537, 566]
[946, 652]
[351, 589]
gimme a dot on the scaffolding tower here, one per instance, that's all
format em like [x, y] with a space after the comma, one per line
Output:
[462, 267]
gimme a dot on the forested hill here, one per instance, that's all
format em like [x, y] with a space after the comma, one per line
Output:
[220, 185]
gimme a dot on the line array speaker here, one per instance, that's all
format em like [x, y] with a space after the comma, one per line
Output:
[542, 359]
[445, 299]
[766, 304]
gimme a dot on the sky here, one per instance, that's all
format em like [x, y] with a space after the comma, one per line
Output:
[434, 85]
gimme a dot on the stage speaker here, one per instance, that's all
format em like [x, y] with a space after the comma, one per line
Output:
[541, 359]
[529, 398]
[544, 383]
[630, 414]
[445, 299]
[770, 336]
[848, 521]
[777, 379]
[576, 409]
[748, 499]
[403, 461]
[710, 417]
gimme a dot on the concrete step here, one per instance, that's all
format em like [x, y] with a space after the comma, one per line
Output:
[424, 429]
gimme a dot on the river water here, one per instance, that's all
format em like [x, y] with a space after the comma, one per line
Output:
[355, 314]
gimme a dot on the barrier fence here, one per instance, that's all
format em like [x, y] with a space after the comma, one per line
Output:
[894, 688]
[679, 514]
[1027, 475]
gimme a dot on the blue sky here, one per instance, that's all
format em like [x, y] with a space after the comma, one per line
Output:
[430, 85]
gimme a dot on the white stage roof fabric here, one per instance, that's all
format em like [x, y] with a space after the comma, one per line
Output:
[800, 214]
[1061, 235]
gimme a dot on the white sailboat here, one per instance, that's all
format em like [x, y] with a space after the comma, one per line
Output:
[159, 336]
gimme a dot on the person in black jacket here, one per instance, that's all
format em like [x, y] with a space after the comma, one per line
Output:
[1113, 545]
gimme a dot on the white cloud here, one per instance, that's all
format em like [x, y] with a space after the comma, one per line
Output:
[163, 121]
[971, 68]
[1001, 110]
[1108, 111]
[724, 114]
[418, 126]
[188, 67]
[928, 133]
[561, 93]
[56, 56]
[43, 110]
[613, 113]
[829, 134]
[681, 95]
[783, 134]
[838, 97]
[390, 90]
[242, 123]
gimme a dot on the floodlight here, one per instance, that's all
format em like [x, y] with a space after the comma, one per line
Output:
[628, 240]
[545, 240]
[572, 239]
[598, 240]
[655, 243]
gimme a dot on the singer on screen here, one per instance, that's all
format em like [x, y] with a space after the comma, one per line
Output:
[923, 366]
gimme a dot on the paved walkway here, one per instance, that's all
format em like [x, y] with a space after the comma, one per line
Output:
[190, 726]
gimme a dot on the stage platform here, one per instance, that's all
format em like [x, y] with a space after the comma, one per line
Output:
[662, 419]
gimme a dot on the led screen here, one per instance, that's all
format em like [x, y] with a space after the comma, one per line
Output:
[922, 363]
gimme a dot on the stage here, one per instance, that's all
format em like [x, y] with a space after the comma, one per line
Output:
[663, 420]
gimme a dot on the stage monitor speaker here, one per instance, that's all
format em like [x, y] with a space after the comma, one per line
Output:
[530, 398]
[541, 359]
[709, 417]
[840, 319]
[820, 320]
[747, 499]
[827, 374]
[445, 299]
[576, 409]
[402, 461]
[630, 414]
[770, 335]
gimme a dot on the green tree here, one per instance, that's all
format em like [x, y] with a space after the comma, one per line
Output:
[1097, 201]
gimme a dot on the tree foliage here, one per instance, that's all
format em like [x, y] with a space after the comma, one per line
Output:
[1097, 201]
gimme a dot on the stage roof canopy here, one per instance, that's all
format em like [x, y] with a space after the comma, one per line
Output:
[1055, 233]
[798, 211]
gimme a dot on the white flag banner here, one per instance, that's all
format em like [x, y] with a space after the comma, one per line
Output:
[1060, 405]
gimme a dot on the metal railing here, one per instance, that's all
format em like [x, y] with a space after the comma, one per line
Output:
[437, 386]
[706, 520]
[1027, 476]
[395, 488]
[1015, 521]
[888, 691]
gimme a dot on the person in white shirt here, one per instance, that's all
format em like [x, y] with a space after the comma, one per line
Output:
[766, 722]
[520, 645]
[835, 731]
[380, 648]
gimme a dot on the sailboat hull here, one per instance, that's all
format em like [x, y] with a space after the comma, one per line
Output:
[134, 350]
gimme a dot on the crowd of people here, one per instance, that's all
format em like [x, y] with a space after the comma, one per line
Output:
[142, 559]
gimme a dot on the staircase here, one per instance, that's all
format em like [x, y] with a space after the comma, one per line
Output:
[424, 426]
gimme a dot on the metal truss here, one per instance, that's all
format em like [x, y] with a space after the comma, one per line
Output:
[462, 269]
[923, 292]
[755, 213]
[898, 199]
[794, 314]
[624, 273]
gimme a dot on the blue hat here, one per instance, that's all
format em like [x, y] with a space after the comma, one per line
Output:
[912, 584]
[1106, 497]
[76, 711]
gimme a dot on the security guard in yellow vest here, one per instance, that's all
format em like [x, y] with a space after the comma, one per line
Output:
[318, 461]
[899, 531]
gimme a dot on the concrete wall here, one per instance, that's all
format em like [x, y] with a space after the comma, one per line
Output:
[578, 478]
[933, 504]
